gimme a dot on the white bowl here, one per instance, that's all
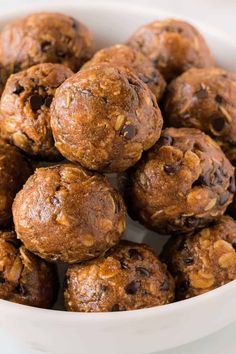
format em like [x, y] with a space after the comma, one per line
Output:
[27, 330]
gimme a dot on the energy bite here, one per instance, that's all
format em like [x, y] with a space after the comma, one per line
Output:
[44, 38]
[128, 278]
[183, 183]
[25, 278]
[14, 171]
[122, 55]
[203, 261]
[65, 213]
[104, 117]
[174, 46]
[25, 108]
[205, 99]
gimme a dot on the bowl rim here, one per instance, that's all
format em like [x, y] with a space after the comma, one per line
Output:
[16, 9]
[162, 310]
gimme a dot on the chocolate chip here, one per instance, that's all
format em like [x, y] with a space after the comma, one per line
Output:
[65, 282]
[191, 221]
[219, 99]
[164, 286]
[132, 287]
[182, 246]
[45, 46]
[134, 254]
[166, 140]
[21, 289]
[2, 280]
[55, 201]
[104, 288]
[232, 187]
[115, 308]
[36, 101]
[188, 260]
[123, 265]
[143, 271]
[75, 24]
[171, 169]
[60, 54]
[184, 285]
[128, 131]
[48, 101]
[218, 124]
[223, 198]
[202, 93]
[234, 245]
[117, 206]
[18, 88]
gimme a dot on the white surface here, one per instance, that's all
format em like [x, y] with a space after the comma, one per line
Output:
[25, 330]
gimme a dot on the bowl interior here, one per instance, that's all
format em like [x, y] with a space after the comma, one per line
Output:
[113, 23]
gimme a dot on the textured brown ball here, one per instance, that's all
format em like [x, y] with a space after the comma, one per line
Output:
[67, 214]
[104, 117]
[174, 46]
[123, 55]
[25, 278]
[205, 99]
[203, 261]
[183, 183]
[14, 171]
[25, 108]
[130, 277]
[44, 38]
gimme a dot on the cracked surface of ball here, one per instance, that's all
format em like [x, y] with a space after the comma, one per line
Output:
[65, 213]
[130, 277]
[174, 46]
[25, 108]
[183, 183]
[203, 261]
[104, 117]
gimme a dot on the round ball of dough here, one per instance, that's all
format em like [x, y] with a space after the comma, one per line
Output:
[25, 108]
[203, 261]
[182, 184]
[123, 55]
[130, 277]
[205, 99]
[174, 46]
[25, 278]
[67, 214]
[104, 117]
[14, 171]
[44, 38]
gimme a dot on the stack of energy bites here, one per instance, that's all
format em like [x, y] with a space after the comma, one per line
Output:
[90, 114]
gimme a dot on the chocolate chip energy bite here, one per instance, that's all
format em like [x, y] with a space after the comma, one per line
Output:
[68, 214]
[25, 278]
[128, 278]
[123, 55]
[14, 171]
[203, 261]
[174, 46]
[44, 38]
[104, 117]
[183, 183]
[25, 108]
[205, 99]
